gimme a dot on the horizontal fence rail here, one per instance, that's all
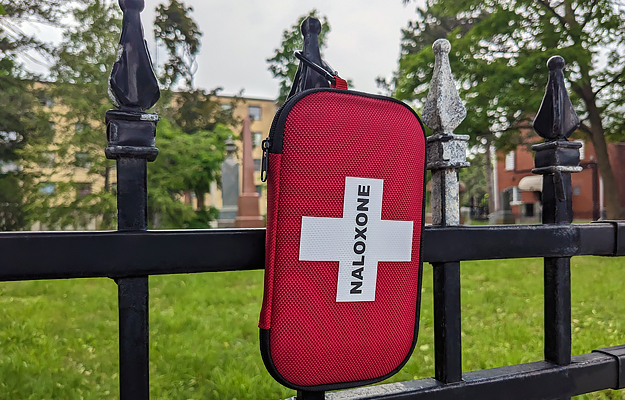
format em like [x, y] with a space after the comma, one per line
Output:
[45, 255]
[540, 380]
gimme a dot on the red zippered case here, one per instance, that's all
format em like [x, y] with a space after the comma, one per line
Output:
[346, 181]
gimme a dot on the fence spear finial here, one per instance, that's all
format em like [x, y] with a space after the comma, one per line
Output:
[133, 85]
[444, 110]
[557, 158]
[447, 152]
[306, 77]
[556, 119]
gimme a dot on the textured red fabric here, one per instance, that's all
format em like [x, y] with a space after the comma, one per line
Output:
[340, 83]
[273, 191]
[314, 339]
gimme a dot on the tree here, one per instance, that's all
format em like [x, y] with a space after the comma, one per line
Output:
[23, 120]
[81, 70]
[192, 138]
[186, 162]
[474, 178]
[13, 40]
[283, 64]
[175, 29]
[198, 110]
[196, 118]
[500, 49]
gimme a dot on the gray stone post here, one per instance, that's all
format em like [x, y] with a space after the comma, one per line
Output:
[230, 187]
[447, 152]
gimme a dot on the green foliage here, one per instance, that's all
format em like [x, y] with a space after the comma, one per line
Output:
[65, 206]
[22, 119]
[191, 137]
[174, 28]
[193, 144]
[23, 122]
[59, 338]
[57, 173]
[14, 40]
[499, 54]
[474, 178]
[12, 217]
[197, 110]
[83, 63]
[187, 162]
[283, 64]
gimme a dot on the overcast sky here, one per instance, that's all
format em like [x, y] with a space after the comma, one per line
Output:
[240, 35]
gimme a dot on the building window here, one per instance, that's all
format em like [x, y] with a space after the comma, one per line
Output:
[45, 100]
[509, 164]
[257, 163]
[257, 139]
[516, 198]
[259, 190]
[48, 158]
[82, 160]
[254, 113]
[83, 189]
[582, 150]
[47, 188]
[577, 190]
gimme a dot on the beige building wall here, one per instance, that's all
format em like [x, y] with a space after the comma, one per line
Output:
[261, 112]
[67, 164]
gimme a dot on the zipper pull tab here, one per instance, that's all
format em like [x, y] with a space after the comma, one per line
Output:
[265, 163]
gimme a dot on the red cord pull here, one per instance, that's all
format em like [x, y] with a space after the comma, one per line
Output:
[340, 83]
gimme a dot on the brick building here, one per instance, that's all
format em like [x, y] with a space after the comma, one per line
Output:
[520, 191]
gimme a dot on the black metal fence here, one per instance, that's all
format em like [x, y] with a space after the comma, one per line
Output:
[133, 253]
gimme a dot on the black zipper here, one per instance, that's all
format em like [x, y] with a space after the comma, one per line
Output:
[267, 143]
[265, 163]
[270, 145]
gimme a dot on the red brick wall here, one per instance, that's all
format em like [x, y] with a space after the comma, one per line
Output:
[616, 151]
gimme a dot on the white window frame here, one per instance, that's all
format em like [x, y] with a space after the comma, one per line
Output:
[510, 161]
[517, 198]
[260, 112]
[582, 150]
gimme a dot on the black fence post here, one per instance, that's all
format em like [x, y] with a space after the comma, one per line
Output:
[131, 139]
[307, 78]
[305, 395]
[556, 159]
[446, 154]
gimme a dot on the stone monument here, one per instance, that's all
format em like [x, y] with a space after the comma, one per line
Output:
[230, 187]
[249, 200]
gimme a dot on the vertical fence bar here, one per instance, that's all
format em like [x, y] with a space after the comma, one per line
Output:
[443, 112]
[131, 142]
[305, 395]
[556, 159]
[307, 78]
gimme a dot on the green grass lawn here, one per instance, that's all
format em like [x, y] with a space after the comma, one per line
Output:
[58, 339]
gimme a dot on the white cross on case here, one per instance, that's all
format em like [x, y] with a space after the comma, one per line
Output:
[358, 241]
